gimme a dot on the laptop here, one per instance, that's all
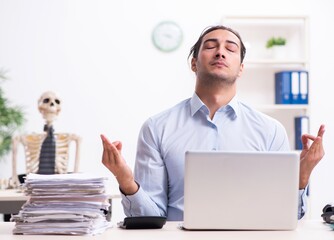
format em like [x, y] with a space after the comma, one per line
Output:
[241, 190]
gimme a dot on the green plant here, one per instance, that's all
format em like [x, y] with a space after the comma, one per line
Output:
[275, 41]
[11, 118]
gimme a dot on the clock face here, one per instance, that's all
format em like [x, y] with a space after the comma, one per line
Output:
[167, 36]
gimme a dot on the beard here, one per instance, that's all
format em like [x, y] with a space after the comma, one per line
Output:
[210, 79]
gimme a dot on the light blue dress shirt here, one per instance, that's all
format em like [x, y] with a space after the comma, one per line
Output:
[164, 139]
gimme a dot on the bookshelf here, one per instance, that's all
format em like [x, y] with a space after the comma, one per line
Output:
[256, 86]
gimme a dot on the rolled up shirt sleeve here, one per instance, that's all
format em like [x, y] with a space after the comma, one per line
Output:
[302, 202]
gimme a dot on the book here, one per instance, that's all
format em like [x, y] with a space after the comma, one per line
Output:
[303, 87]
[283, 87]
[294, 76]
[302, 126]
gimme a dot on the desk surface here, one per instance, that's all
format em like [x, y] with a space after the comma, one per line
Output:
[306, 230]
[12, 195]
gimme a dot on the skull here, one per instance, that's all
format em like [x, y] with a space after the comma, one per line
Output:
[49, 106]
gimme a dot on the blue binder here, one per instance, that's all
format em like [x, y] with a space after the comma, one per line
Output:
[303, 88]
[295, 93]
[283, 87]
[302, 126]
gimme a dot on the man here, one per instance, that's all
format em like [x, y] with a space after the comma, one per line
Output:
[213, 119]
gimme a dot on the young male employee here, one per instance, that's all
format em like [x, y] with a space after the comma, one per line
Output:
[212, 119]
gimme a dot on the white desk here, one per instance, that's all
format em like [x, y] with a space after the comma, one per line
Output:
[11, 201]
[307, 230]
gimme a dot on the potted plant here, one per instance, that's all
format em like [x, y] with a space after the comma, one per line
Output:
[276, 41]
[11, 118]
[277, 46]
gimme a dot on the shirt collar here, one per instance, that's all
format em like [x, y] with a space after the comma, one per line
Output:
[196, 104]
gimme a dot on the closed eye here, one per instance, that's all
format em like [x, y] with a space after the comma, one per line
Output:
[231, 46]
[231, 50]
[210, 44]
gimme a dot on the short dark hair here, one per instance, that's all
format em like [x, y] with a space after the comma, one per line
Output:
[195, 49]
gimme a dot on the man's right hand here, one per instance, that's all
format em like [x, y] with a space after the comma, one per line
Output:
[113, 160]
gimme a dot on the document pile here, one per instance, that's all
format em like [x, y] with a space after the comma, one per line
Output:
[67, 204]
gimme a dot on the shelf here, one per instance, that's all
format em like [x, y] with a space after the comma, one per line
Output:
[288, 22]
[303, 107]
[265, 20]
[276, 61]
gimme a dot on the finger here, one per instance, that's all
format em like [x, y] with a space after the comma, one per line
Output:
[105, 144]
[109, 145]
[108, 153]
[104, 153]
[318, 144]
[309, 137]
[115, 155]
[105, 139]
[317, 149]
[118, 145]
[305, 141]
[317, 141]
[321, 130]
[106, 160]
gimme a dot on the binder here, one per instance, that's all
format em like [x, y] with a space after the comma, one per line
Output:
[283, 87]
[294, 87]
[302, 126]
[291, 87]
[303, 88]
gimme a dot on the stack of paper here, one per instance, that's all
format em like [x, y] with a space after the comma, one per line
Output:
[73, 204]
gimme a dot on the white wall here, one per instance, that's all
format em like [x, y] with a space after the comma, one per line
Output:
[98, 56]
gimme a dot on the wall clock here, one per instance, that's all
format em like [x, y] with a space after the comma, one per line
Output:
[167, 36]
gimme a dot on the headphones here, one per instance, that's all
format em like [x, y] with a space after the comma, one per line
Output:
[328, 214]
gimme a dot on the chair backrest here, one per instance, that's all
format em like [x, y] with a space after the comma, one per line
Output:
[32, 147]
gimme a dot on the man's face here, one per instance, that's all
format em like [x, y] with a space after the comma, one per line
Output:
[218, 57]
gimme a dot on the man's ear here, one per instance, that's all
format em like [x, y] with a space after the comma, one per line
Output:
[241, 69]
[193, 65]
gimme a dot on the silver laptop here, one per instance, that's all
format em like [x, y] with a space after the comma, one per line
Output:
[241, 190]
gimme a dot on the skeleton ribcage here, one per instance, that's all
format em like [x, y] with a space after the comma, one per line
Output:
[32, 147]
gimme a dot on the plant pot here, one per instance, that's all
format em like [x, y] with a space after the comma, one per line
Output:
[279, 52]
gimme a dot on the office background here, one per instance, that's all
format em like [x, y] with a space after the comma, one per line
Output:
[98, 56]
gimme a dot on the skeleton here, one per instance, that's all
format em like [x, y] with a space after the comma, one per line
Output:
[49, 106]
